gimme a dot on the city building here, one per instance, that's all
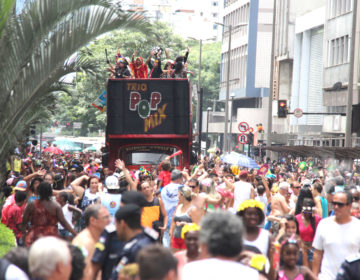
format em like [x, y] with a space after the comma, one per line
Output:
[311, 70]
[249, 78]
[188, 18]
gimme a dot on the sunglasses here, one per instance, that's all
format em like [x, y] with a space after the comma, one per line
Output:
[193, 187]
[339, 204]
[355, 198]
[308, 209]
[297, 187]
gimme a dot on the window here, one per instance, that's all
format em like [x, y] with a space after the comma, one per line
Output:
[215, 15]
[338, 51]
[215, 3]
[339, 7]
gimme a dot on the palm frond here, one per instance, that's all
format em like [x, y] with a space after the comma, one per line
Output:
[36, 44]
[5, 9]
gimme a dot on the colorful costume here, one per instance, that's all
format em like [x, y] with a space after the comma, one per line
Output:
[140, 72]
[43, 223]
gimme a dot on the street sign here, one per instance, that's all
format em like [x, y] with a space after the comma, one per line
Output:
[298, 113]
[243, 138]
[243, 127]
[77, 125]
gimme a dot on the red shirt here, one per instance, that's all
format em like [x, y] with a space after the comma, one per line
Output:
[139, 71]
[14, 217]
[165, 177]
[307, 234]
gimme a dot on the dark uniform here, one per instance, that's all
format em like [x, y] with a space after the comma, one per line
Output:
[350, 269]
[132, 247]
[107, 252]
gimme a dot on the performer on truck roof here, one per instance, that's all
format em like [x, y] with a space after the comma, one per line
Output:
[139, 68]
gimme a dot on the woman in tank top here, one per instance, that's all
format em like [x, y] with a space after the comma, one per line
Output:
[252, 214]
[185, 213]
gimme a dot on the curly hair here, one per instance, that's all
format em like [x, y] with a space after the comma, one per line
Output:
[304, 193]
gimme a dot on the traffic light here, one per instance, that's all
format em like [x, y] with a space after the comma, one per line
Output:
[67, 124]
[32, 130]
[251, 138]
[282, 108]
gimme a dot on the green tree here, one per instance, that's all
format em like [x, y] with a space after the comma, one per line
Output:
[35, 45]
[77, 106]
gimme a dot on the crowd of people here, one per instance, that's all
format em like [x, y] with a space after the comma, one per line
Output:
[75, 218]
[151, 68]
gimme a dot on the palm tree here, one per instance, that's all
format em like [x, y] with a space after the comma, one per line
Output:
[34, 46]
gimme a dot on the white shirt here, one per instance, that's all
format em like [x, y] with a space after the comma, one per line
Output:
[261, 242]
[242, 192]
[15, 273]
[338, 242]
[216, 269]
[68, 214]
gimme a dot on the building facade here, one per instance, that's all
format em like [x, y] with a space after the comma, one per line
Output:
[311, 68]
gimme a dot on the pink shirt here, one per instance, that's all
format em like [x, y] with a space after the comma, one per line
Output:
[307, 234]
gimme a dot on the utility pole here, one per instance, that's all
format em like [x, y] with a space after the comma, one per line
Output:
[225, 142]
[198, 109]
[269, 126]
[348, 138]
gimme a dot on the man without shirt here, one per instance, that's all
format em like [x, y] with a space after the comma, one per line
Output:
[279, 206]
[336, 238]
[96, 217]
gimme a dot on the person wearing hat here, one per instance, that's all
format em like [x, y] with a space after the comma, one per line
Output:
[169, 195]
[20, 186]
[112, 198]
[128, 229]
[138, 67]
[14, 215]
[155, 68]
[243, 190]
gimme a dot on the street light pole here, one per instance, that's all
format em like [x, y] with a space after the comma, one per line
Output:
[198, 107]
[225, 142]
[207, 129]
[348, 138]
[232, 106]
[269, 126]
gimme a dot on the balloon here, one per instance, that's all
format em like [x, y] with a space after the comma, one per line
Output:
[311, 163]
[302, 166]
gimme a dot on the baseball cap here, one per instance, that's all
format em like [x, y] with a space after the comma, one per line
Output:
[112, 182]
[244, 173]
[21, 186]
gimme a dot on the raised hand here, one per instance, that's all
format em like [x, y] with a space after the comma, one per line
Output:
[120, 164]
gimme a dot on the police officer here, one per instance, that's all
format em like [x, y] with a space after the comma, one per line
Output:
[108, 249]
[128, 229]
[350, 268]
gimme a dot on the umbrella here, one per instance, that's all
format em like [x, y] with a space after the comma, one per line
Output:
[91, 149]
[234, 158]
[70, 148]
[54, 150]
